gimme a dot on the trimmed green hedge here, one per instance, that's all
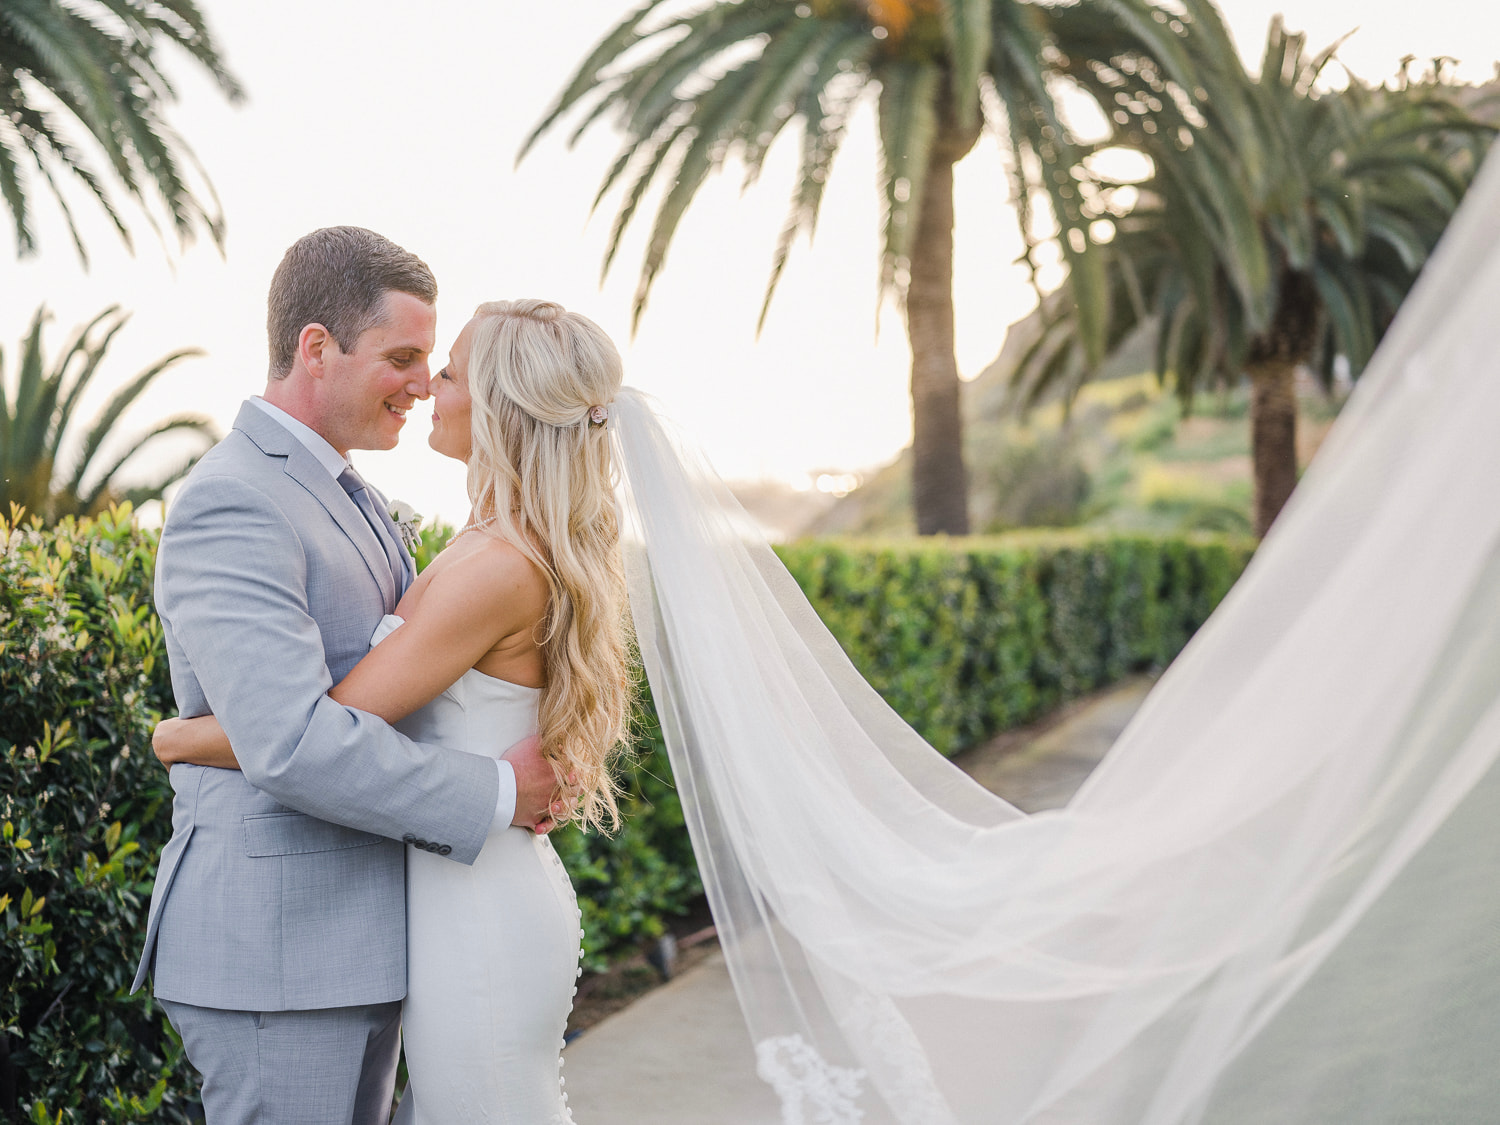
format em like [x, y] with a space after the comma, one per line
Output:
[630, 883]
[86, 809]
[964, 638]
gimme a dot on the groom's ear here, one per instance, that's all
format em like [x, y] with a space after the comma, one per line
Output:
[313, 344]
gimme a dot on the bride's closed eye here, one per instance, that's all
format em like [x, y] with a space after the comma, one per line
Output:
[443, 374]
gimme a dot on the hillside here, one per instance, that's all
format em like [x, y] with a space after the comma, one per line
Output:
[1124, 456]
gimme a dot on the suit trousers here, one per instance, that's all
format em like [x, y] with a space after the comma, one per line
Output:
[328, 1066]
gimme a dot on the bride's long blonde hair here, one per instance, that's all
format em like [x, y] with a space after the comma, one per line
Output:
[540, 378]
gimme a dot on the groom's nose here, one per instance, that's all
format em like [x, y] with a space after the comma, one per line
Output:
[419, 385]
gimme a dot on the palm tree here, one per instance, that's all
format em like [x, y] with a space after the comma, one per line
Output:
[725, 78]
[1282, 226]
[34, 424]
[92, 64]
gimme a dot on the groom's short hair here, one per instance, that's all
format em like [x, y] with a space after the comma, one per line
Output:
[338, 277]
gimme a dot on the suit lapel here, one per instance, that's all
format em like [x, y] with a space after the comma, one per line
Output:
[382, 505]
[274, 440]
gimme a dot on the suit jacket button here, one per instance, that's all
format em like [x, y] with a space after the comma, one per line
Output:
[433, 847]
[444, 850]
[408, 839]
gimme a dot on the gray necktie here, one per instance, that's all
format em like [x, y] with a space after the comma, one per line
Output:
[354, 485]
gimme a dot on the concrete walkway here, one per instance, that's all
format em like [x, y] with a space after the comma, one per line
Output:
[681, 1055]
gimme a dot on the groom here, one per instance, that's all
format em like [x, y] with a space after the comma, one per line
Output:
[277, 931]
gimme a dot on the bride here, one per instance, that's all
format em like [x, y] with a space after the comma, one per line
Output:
[527, 602]
[1273, 902]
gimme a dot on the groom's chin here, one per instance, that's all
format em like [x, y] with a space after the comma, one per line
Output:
[390, 430]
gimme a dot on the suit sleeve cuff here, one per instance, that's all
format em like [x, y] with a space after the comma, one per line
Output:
[505, 800]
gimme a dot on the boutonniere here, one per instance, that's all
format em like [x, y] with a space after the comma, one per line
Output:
[408, 522]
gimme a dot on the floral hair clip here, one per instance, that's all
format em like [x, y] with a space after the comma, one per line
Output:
[598, 415]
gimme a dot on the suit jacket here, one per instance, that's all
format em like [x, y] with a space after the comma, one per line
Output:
[283, 886]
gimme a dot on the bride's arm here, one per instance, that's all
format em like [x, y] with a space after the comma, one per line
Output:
[466, 609]
[200, 741]
[469, 605]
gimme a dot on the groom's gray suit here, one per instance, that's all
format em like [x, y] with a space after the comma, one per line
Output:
[282, 887]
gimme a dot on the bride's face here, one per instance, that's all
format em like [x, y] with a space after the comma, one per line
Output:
[451, 435]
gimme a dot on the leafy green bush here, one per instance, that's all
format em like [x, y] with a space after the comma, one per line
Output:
[630, 882]
[82, 681]
[965, 638]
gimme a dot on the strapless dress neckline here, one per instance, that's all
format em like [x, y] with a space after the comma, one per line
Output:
[495, 685]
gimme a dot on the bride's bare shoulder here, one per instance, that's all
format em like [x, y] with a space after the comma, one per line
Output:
[485, 570]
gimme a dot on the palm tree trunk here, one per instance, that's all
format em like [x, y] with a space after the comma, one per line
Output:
[1275, 355]
[1273, 438]
[939, 479]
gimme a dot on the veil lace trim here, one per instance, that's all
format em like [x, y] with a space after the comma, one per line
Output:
[811, 1091]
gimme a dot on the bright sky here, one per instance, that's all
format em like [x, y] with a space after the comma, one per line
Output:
[365, 112]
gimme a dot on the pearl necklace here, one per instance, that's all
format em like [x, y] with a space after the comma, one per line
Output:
[472, 526]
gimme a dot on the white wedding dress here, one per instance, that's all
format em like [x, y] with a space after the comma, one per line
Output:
[492, 949]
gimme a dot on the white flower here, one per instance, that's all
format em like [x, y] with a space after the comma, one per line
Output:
[408, 522]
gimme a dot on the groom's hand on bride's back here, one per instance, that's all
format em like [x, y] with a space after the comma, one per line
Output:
[538, 801]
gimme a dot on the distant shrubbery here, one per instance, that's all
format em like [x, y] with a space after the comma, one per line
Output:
[963, 638]
[85, 810]
[629, 883]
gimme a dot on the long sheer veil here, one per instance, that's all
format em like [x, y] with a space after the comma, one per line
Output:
[1275, 900]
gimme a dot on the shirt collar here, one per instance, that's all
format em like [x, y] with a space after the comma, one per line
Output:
[329, 457]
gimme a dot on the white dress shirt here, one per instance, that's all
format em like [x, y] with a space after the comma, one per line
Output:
[335, 462]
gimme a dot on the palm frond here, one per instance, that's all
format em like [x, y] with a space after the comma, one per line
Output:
[154, 489]
[1401, 235]
[31, 424]
[710, 129]
[784, 75]
[92, 353]
[585, 79]
[654, 156]
[908, 126]
[966, 27]
[696, 59]
[118, 403]
[97, 61]
[1349, 310]
[13, 187]
[104, 485]
[825, 115]
[34, 420]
